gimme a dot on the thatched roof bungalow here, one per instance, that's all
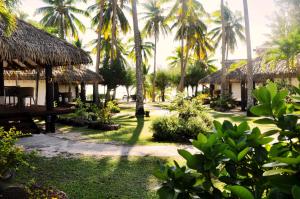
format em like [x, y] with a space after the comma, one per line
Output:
[29, 48]
[261, 73]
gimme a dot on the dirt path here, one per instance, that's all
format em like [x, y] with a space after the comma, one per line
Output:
[51, 145]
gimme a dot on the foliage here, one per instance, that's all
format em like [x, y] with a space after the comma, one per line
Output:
[11, 156]
[162, 82]
[223, 103]
[113, 106]
[190, 119]
[235, 161]
[8, 18]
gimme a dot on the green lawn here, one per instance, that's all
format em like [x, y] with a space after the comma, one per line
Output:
[138, 131]
[92, 178]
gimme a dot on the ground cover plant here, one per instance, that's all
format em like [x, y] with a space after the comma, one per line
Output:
[188, 119]
[235, 161]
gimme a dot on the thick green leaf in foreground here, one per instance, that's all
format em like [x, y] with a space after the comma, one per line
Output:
[241, 192]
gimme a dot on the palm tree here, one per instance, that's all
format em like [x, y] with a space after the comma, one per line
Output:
[250, 101]
[8, 18]
[186, 16]
[156, 23]
[138, 53]
[234, 30]
[62, 14]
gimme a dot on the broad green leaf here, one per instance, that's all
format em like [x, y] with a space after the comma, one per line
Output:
[230, 154]
[231, 142]
[202, 138]
[264, 121]
[265, 140]
[296, 192]
[211, 140]
[270, 133]
[272, 88]
[166, 193]
[242, 154]
[241, 192]
[261, 110]
[243, 127]
[288, 160]
[262, 95]
[192, 161]
[277, 172]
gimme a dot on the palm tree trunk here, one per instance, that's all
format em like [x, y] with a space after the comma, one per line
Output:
[62, 26]
[249, 57]
[183, 69]
[181, 83]
[98, 59]
[138, 54]
[224, 69]
[154, 73]
[113, 30]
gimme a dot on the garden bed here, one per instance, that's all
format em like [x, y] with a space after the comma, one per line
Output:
[90, 124]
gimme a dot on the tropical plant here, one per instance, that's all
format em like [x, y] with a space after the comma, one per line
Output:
[139, 61]
[284, 49]
[129, 81]
[62, 15]
[162, 82]
[234, 30]
[236, 161]
[186, 16]
[8, 18]
[156, 24]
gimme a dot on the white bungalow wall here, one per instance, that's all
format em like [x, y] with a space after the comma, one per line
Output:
[42, 89]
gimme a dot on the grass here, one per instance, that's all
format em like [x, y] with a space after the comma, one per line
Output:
[90, 178]
[137, 131]
[133, 130]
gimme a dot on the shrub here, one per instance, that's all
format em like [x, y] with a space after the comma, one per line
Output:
[113, 107]
[223, 103]
[11, 156]
[189, 120]
[235, 161]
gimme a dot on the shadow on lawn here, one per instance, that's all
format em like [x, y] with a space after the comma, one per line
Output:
[108, 177]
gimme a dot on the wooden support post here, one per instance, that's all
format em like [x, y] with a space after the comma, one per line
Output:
[50, 123]
[1, 79]
[82, 92]
[243, 95]
[230, 88]
[56, 92]
[211, 90]
[77, 91]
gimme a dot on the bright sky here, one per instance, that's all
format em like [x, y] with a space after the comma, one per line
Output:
[260, 12]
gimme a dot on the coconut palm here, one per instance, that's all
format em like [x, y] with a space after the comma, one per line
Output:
[234, 30]
[8, 18]
[138, 54]
[186, 14]
[156, 24]
[250, 100]
[62, 14]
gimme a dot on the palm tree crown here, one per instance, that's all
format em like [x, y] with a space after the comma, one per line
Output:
[62, 14]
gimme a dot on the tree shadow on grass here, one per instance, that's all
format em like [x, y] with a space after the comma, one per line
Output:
[137, 131]
[90, 178]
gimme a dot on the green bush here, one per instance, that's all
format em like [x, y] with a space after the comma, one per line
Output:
[235, 161]
[223, 103]
[11, 156]
[113, 106]
[189, 120]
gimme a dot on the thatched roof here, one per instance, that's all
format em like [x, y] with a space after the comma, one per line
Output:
[261, 72]
[62, 75]
[30, 46]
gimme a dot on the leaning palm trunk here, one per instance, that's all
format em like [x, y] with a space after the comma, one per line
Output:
[182, 78]
[138, 54]
[114, 31]
[61, 28]
[154, 73]
[98, 59]
[249, 58]
[224, 89]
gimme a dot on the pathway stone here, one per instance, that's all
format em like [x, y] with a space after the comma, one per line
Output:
[49, 146]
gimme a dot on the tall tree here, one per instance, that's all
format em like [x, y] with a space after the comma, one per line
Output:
[250, 101]
[234, 29]
[62, 14]
[8, 18]
[186, 14]
[156, 23]
[224, 85]
[138, 53]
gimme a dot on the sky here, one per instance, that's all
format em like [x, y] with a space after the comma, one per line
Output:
[260, 14]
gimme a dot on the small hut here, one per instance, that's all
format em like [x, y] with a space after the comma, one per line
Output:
[29, 48]
[261, 73]
[67, 81]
